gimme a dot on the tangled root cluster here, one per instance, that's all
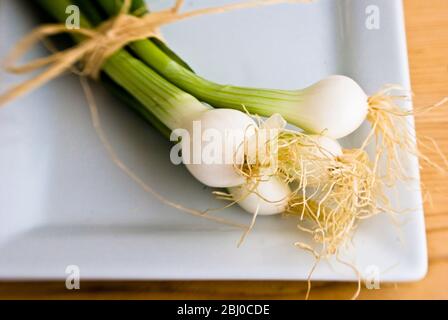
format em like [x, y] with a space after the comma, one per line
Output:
[394, 135]
[330, 193]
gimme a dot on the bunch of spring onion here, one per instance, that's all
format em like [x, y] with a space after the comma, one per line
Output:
[304, 173]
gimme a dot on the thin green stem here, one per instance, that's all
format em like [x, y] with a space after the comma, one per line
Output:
[260, 101]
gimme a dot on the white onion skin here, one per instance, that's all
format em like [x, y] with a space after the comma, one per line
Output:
[222, 175]
[272, 189]
[327, 147]
[335, 106]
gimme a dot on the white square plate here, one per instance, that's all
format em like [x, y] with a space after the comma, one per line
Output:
[63, 202]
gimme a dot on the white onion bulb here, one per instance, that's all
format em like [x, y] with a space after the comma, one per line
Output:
[326, 147]
[270, 196]
[335, 106]
[221, 174]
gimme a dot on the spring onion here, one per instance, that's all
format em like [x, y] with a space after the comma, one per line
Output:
[211, 160]
[268, 195]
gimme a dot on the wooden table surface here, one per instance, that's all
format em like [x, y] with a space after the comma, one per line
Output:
[427, 29]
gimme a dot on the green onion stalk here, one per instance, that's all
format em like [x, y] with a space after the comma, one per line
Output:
[162, 103]
[335, 106]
